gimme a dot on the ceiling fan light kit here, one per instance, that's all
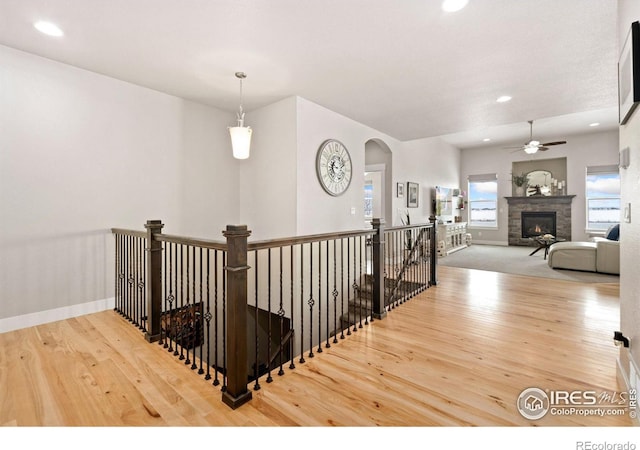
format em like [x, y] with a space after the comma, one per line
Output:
[533, 146]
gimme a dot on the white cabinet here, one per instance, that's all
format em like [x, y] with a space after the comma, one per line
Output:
[451, 237]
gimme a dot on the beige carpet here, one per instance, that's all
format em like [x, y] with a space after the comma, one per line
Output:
[516, 260]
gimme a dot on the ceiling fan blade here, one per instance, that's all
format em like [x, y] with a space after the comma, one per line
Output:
[554, 143]
[543, 148]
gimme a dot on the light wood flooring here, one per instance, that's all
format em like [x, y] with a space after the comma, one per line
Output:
[458, 354]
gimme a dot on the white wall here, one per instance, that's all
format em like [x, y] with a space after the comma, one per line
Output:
[629, 11]
[209, 188]
[596, 148]
[317, 211]
[268, 178]
[430, 163]
[81, 153]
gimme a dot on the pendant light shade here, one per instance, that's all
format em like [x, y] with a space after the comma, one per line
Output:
[240, 135]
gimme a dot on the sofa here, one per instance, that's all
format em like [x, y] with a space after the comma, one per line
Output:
[600, 254]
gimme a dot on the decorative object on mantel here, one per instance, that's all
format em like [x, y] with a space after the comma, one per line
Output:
[629, 74]
[520, 181]
[240, 135]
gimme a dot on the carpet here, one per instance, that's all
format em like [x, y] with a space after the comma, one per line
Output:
[516, 260]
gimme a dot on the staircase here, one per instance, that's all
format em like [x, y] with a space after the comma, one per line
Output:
[361, 305]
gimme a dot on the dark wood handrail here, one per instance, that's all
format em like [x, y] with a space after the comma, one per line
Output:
[409, 227]
[285, 242]
[125, 232]
[195, 242]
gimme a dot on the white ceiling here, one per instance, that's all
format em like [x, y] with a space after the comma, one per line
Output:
[403, 67]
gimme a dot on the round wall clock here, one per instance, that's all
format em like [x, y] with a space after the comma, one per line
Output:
[333, 165]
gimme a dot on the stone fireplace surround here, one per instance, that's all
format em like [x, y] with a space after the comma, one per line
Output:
[560, 204]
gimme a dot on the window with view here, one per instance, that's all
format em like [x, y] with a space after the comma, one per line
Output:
[603, 197]
[483, 201]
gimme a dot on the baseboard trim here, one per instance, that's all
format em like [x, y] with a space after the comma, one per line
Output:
[623, 379]
[53, 315]
[501, 243]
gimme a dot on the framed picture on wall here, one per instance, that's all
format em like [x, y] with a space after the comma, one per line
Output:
[629, 74]
[400, 190]
[412, 195]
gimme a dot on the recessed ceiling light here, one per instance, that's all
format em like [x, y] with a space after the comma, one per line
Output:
[486, 140]
[503, 99]
[594, 124]
[453, 5]
[48, 28]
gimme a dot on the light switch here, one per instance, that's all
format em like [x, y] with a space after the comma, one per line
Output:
[353, 210]
[627, 212]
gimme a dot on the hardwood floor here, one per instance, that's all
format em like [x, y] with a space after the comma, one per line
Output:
[459, 354]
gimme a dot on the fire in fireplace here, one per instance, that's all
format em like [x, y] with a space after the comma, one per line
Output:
[538, 223]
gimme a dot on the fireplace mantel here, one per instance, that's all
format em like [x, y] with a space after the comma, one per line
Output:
[541, 199]
[560, 204]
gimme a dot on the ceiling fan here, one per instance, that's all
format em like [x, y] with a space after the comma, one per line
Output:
[533, 146]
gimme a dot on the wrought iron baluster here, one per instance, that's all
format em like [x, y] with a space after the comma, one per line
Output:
[207, 316]
[335, 293]
[342, 289]
[281, 318]
[319, 297]
[216, 382]
[268, 358]
[179, 303]
[171, 298]
[143, 291]
[363, 280]
[348, 261]
[355, 286]
[301, 306]
[256, 363]
[224, 323]
[291, 340]
[198, 319]
[311, 302]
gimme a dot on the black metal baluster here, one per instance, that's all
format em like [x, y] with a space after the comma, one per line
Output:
[198, 315]
[327, 331]
[355, 286]
[349, 287]
[319, 297]
[185, 317]
[256, 363]
[268, 359]
[224, 323]
[171, 298]
[216, 382]
[143, 291]
[180, 292]
[335, 292]
[310, 302]
[281, 318]
[301, 306]
[207, 316]
[291, 340]
[165, 291]
[362, 280]
[342, 289]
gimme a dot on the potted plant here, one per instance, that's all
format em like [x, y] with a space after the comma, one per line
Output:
[520, 181]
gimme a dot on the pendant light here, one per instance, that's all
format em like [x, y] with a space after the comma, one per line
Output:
[240, 135]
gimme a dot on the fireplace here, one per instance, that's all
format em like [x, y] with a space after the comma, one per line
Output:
[537, 223]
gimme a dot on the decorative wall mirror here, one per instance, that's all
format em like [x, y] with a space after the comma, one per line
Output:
[539, 182]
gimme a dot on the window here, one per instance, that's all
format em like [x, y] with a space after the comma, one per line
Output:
[603, 197]
[483, 201]
[368, 199]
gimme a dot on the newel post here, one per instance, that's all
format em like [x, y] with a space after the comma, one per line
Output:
[433, 235]
[154, 280]
[379, 311]
[236, 393]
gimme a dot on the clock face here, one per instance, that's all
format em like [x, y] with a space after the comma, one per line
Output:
[333, 165]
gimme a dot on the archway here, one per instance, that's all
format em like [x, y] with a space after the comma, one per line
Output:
[379, 173]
